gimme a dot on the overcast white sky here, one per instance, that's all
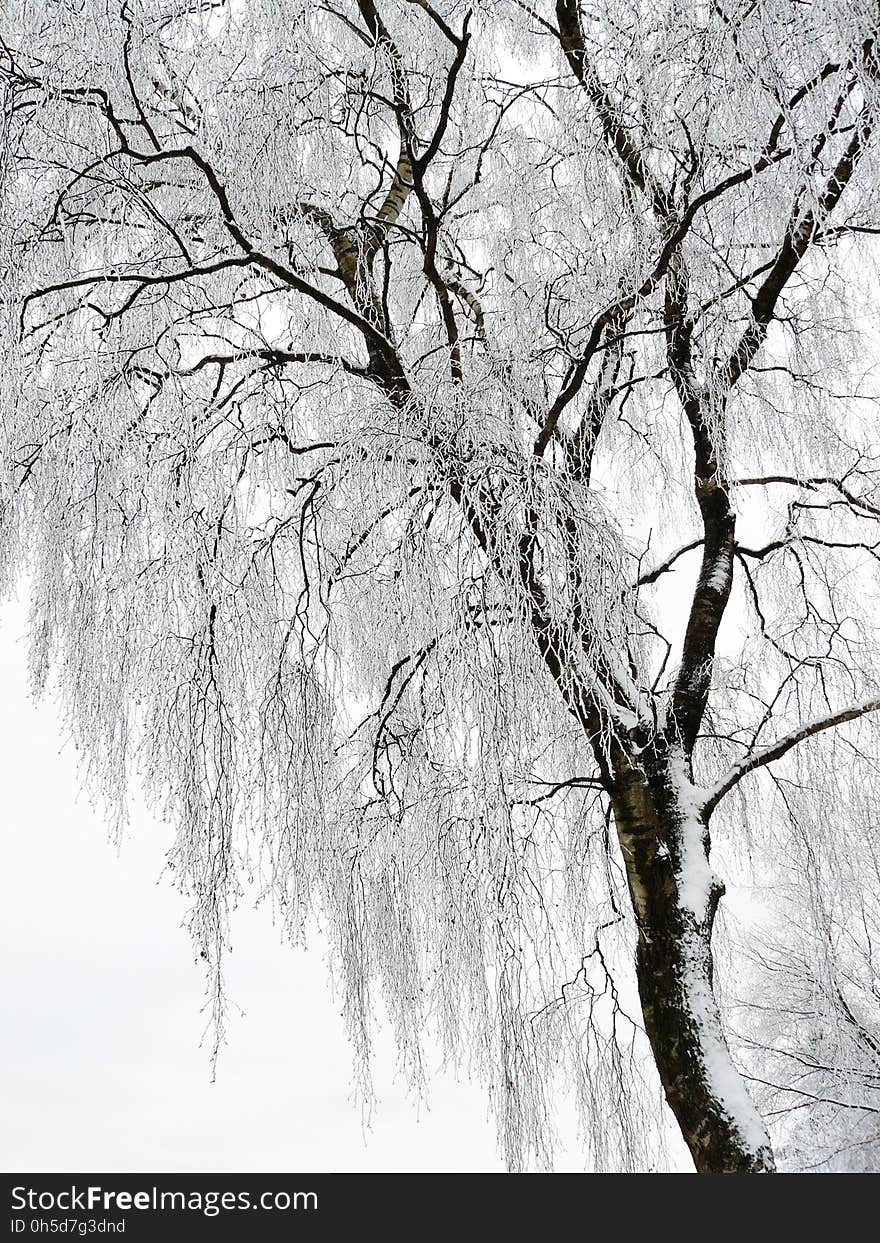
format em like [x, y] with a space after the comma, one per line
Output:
[100, 1023]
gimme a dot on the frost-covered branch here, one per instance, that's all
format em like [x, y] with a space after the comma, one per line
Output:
[774, 751]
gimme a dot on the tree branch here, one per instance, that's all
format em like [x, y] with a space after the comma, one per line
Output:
[774, 751]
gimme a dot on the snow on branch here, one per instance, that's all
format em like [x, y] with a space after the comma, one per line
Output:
[774, 751]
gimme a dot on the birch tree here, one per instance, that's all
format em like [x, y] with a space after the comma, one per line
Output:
[442, 442]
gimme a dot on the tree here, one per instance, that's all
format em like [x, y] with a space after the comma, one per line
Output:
[442, 446]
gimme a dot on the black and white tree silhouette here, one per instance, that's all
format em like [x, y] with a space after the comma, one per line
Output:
[442, 443]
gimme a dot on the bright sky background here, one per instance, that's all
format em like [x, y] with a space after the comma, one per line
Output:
[100, 1013]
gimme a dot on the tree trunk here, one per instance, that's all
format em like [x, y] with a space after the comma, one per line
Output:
[705, 1091]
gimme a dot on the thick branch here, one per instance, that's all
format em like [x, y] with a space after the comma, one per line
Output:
[630, 157]
[774, 751]
[666, 564]
[800, 234]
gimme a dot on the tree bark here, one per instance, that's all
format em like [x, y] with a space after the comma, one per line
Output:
[704, 1089]
[674, 965]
